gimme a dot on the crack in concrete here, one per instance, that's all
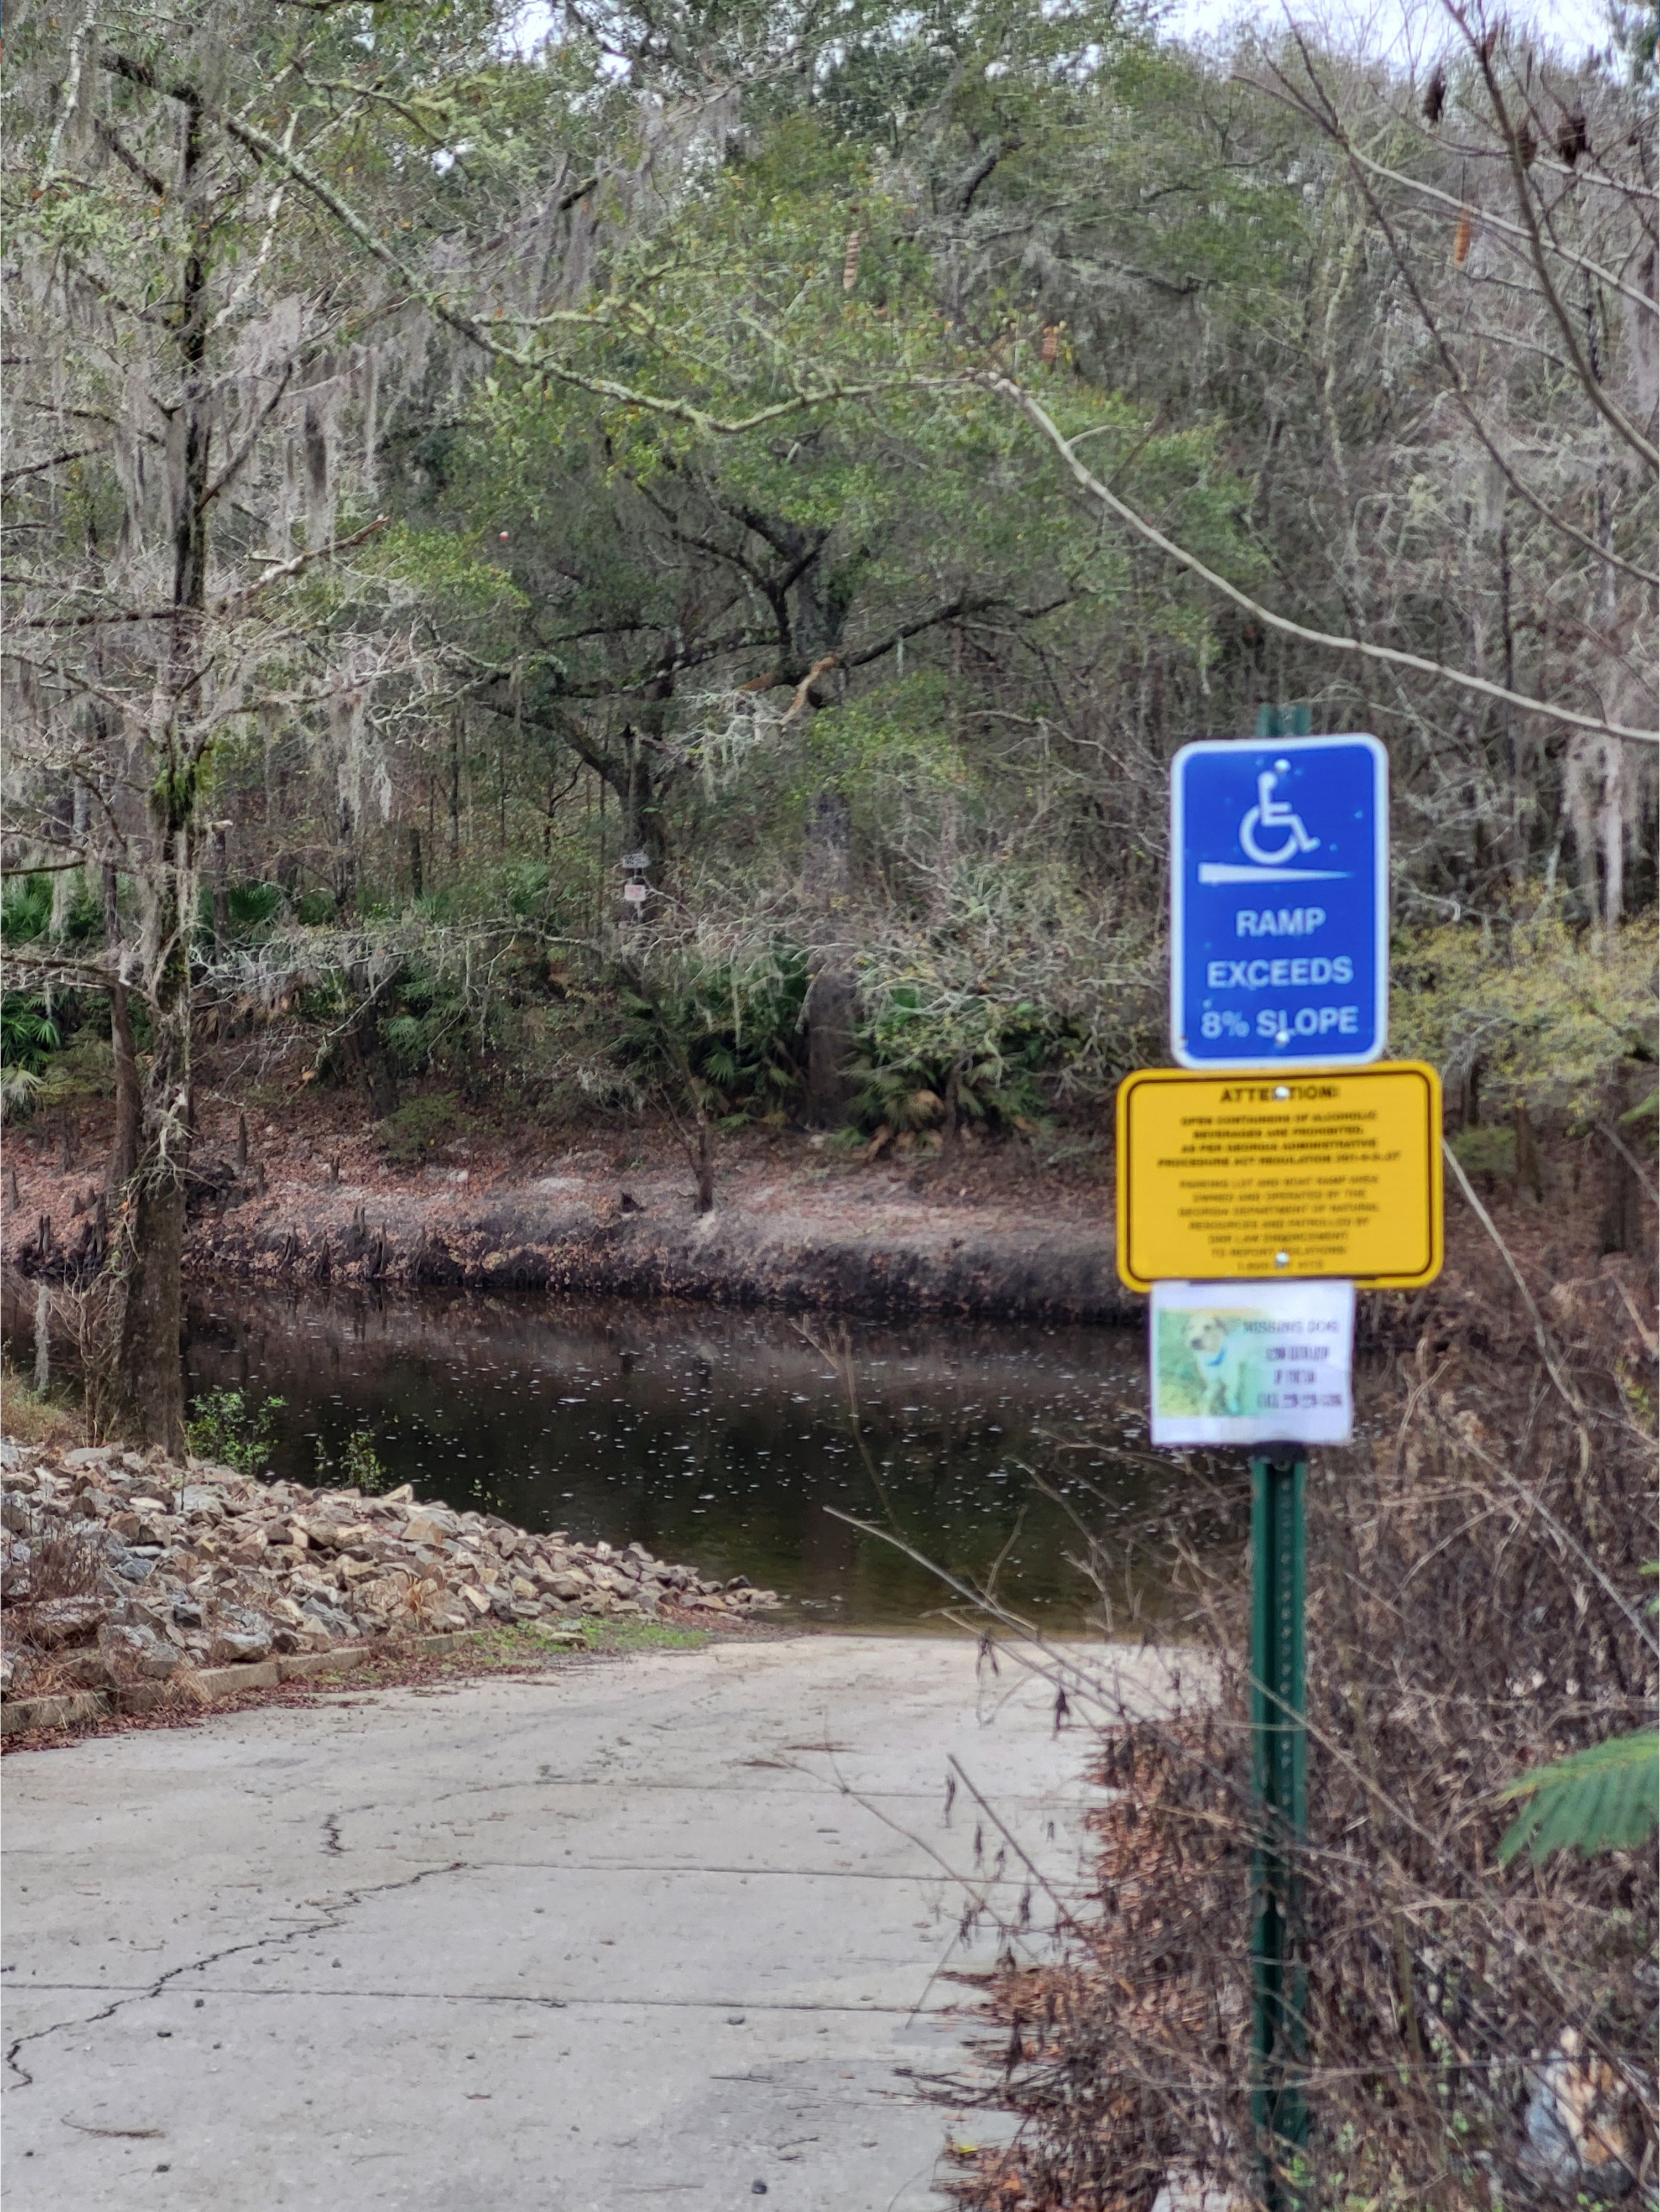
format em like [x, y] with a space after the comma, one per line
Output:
[872, 2011]
[331, 1833]
[25, 2080]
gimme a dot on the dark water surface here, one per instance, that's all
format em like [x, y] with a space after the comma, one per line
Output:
[720, 1438]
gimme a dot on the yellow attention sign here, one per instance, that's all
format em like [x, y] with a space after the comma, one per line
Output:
[1230, 1177]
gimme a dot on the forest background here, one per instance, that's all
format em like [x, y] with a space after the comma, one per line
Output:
[813, 464]
[664, 567]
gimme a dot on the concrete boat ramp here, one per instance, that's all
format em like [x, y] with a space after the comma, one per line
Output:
[661, 1930]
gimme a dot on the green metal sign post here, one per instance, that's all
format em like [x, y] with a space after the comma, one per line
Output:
[1279, 1760]
[1282, 722]
[1279, 1770]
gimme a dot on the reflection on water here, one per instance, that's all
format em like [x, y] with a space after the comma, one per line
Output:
[721, 1438]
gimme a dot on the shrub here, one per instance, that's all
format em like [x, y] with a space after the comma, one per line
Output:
[1486, 1151]
[227, 1426]
[1473, 1610]
[1545, 1011]
[741, 1032]
[32, 1419]
[359, 1465]
[974, 1057]
[421, 1124]
[27, 1034]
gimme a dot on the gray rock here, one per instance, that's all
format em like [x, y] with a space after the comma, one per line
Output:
[329, 1617]
[133, 1567]
[241, 1634]
[156, 1614]
[123, 1648]
[85, 1669]
[67, 1619]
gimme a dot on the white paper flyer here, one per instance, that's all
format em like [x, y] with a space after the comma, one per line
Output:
[1252, 1363]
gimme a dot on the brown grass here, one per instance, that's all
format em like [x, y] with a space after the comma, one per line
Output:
[30, 1419]
[1475, 1607]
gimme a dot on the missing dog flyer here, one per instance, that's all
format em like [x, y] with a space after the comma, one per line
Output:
[1252, 1363]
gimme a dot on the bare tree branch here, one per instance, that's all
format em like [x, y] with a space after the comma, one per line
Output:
[1363, 649]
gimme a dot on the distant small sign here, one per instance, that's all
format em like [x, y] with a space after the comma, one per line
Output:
[634, 860]
[1252, 1363]
[635, 894]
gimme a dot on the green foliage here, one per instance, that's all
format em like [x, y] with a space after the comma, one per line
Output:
[360, 1463]
[253, 904]
[27, 1035]
[1605, 1798]
[26, 908]
[421, 1124]
[1547, 1008]
[82, 1071]
[740, 1033]
[230, 1427]
[27, 1032]
[601, 1633]
[916, 1056]
[1486, 1151]
[1642, 1121]
[250, 906]
[26, 911]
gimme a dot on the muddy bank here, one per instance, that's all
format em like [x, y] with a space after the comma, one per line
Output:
[999, 1233]
[879, 1258]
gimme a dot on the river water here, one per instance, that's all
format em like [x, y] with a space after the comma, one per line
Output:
[732, 1440]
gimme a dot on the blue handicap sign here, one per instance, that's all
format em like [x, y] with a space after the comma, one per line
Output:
[1279, 903]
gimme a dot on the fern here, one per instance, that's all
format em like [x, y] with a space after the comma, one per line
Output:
[1603, 1799]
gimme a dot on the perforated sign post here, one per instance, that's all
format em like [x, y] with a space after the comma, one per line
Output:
[1279, 903]
[1279, 962]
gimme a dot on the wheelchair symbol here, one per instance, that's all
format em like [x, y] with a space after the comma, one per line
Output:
[1272, 813]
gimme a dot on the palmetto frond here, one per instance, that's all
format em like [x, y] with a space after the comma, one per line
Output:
[1605, 1798]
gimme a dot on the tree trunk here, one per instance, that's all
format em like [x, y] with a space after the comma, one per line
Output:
[1529, 1176]
[148, 1383]
[129, 1098]
[455, 788]
[345, 864]
[149, 1391]
[124, 1148]
[1621, 1228]
[42, 1341]
[704, 1165]
[831, 995]
[221, 891]
[413, 836]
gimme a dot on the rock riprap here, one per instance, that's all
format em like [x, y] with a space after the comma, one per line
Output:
[119, 1566]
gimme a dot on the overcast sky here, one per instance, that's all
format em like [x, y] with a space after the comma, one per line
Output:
[1406, 30]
